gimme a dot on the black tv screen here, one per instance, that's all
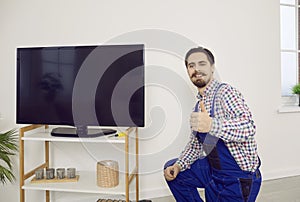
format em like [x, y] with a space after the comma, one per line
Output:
[101, 85]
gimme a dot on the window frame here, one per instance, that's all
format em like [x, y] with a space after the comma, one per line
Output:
[292, 100]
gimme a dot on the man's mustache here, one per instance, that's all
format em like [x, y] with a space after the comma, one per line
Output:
[198, 73]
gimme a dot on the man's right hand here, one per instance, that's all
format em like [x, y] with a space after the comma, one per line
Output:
[171, 172]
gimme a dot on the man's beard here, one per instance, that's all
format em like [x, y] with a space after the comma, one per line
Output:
[200, 83]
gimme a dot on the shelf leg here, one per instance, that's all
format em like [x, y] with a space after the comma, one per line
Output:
[21, 158]
[47, 196]
[137, 163]
[47, 166]
[21, 169]
[128, 178]
[47, 153]
[127, 166]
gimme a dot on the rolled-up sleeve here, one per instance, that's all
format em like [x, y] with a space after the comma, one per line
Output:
[191, 153]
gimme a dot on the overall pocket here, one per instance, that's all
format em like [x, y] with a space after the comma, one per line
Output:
[228, 188]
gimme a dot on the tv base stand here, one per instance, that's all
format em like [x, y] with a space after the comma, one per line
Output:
[81, 132]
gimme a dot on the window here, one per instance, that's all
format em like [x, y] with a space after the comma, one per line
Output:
[289, 16]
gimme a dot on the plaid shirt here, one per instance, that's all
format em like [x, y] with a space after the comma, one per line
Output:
[232, 123]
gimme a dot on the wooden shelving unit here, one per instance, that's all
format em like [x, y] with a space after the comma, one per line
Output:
[87, 181]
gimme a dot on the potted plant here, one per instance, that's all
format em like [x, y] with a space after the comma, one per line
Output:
[8, 148]
[296, 90]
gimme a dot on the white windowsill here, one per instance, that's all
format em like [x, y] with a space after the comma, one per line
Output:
[289, 104]
[289, 109]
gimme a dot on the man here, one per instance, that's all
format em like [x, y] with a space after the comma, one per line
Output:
[221, 156]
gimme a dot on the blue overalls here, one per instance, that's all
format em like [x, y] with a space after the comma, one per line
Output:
[218, 173]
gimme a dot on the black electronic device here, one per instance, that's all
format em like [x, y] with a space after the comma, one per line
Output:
[81, 86]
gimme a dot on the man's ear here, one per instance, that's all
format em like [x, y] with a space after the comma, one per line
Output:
[213, 68]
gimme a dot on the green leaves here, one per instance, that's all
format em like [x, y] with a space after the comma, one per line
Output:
[6, 174]
[296, 89]
[8, 148]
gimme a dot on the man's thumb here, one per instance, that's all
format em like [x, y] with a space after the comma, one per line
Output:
[202, 107]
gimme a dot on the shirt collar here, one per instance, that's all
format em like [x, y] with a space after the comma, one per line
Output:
[209, 89]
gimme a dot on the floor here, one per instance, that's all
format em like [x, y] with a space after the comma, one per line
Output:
[279, 190]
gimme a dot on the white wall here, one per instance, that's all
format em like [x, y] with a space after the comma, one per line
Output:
[244, 35]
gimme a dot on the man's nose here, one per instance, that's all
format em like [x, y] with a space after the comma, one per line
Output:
[197, 68]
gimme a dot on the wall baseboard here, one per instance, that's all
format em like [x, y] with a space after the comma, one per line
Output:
[272, 175]
[155, 193]
[160, 192]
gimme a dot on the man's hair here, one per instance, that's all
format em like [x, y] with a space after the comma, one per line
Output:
[199, 49]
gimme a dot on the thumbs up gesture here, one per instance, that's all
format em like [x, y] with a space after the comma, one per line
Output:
[201, 121]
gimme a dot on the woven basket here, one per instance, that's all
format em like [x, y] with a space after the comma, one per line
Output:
[107, 173]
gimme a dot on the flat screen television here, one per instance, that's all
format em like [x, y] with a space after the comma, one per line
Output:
[81, 86]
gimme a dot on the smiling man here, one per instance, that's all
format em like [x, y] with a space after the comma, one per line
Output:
[221, 155]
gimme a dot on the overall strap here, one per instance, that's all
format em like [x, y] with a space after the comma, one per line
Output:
[208, 141]
[212, 110]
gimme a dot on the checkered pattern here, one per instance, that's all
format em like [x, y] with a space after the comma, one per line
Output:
[232, 122]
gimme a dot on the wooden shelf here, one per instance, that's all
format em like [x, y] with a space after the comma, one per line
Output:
[54, 180]
[87, 183]
[45, 136]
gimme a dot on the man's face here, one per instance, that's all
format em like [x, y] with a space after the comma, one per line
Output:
[199, 69]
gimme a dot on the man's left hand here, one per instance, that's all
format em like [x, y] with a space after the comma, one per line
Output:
[201, 121]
